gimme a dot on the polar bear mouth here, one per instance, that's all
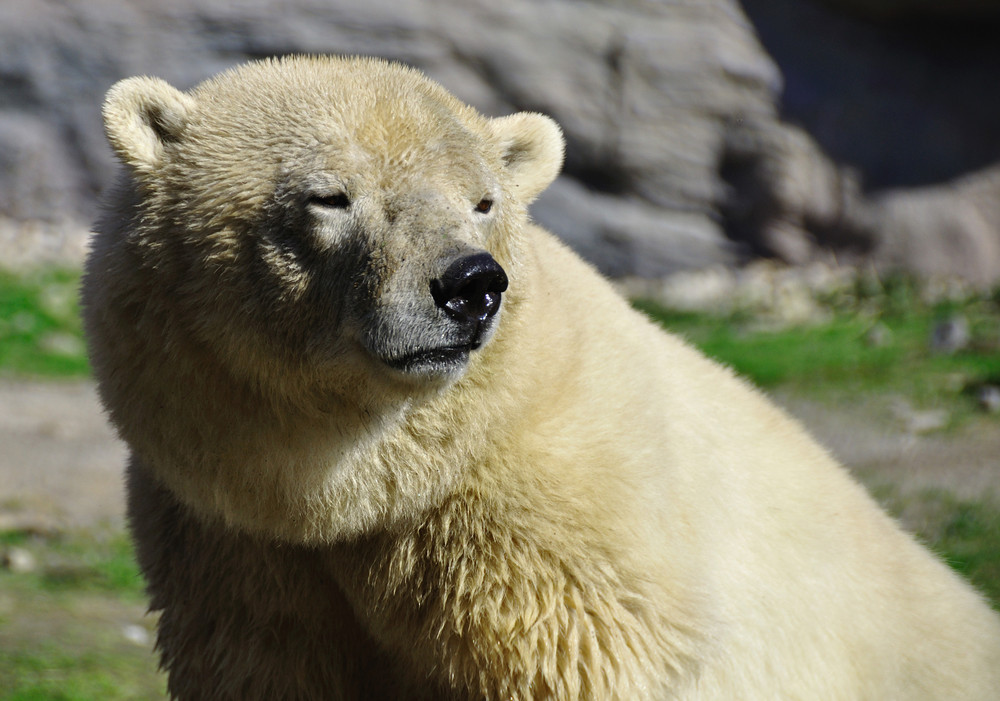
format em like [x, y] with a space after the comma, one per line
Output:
[433, 360]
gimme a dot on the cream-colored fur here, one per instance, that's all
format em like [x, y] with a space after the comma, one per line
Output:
[585, 507]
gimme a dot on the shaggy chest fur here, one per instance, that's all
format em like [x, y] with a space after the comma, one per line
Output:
[459, 606]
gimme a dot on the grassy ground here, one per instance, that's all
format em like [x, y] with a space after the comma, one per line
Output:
[873, 344]
[40, 324]
[73, 627]
[966, 534]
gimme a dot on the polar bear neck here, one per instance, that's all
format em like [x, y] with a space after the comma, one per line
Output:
[292, 459]
[305, 471]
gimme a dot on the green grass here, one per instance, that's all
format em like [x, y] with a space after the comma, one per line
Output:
[50, 673]
[970, 542]
[837, 354]
[63, 625]
[40, 332]
[100, 565]
[101, 562]
[966, 534]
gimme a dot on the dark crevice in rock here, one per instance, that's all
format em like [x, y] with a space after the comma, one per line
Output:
[901, 97]
[609, 177]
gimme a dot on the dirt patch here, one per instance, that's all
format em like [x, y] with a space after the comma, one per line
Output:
[877, 441]
[60, 462]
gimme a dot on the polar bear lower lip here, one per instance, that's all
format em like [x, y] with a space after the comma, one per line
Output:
[432, 359]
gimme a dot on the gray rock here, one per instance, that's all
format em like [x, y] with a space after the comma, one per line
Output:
[948, 230]
[18, 560]
[644, 91]
[919, 421]
[989, 398]
[136, 634]
[677, 155]
[950, 335]
[626, 236]
[878, 336]
[784, 197]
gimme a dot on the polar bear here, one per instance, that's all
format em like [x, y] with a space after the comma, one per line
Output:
[389, 439]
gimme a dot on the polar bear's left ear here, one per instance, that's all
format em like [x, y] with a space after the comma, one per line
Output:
[142, 115]
[532, 146]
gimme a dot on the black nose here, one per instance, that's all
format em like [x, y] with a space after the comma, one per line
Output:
[470, 288]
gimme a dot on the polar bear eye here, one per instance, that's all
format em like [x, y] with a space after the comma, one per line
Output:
[337, 200]
[484, 205]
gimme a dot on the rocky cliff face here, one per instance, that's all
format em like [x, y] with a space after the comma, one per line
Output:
[678, 155]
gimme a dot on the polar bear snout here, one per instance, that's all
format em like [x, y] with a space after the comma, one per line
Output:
[433, 335]
[469, 291]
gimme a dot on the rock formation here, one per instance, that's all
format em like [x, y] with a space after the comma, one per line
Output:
[687, 146]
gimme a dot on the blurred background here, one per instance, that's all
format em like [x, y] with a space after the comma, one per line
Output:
[699, 132]
[809, 190]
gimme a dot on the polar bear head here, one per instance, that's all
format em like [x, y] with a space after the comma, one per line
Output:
[332, 218]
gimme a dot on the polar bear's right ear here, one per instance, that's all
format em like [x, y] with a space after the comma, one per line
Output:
[141, 115]
[532, 146]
